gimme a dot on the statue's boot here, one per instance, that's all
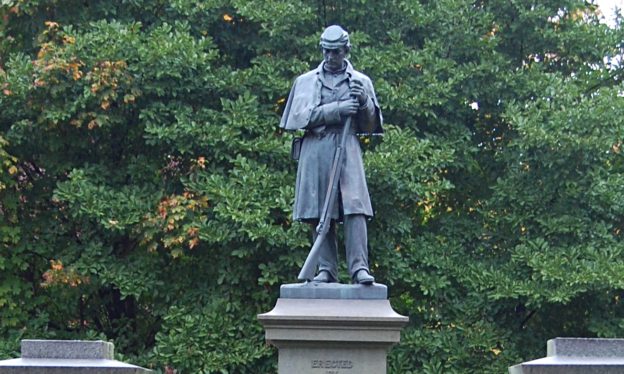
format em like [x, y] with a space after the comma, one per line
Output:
[363, 277]
[324, 277]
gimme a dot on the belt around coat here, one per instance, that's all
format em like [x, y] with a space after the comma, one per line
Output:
[332, 129]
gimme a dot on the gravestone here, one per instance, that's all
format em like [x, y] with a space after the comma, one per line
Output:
[577, 356]
[331, 328]
[67, 356]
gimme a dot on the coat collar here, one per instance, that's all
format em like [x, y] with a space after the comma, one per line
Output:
[349, 70]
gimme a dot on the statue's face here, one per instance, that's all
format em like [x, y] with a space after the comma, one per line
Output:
[334, 58]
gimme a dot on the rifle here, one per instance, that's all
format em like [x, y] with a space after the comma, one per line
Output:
[309, 267]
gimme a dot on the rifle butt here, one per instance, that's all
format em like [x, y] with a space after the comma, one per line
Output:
[309, 266]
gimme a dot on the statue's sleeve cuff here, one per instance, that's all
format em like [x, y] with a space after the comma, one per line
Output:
[368, 105]
[331, 114]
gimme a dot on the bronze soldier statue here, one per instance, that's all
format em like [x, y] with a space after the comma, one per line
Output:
[320, 102]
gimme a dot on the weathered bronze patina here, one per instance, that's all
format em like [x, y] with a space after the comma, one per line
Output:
[321, 102]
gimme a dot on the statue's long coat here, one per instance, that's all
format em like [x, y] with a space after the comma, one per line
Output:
[318, 148]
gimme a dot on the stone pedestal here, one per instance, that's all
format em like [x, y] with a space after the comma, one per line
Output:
[67, 356]
[576, 356]
[331, 328]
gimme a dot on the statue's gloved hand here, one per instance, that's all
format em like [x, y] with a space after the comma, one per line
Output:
[357, 91]
[348, 107]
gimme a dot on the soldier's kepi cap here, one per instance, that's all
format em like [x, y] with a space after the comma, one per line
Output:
[335, 37]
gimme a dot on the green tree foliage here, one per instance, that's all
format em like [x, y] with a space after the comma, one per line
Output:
[145, 189]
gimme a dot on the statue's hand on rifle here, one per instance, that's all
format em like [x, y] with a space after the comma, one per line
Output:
[357, 91]
[348, 107]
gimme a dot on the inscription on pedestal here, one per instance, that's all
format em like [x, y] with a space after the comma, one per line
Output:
[332, 364]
